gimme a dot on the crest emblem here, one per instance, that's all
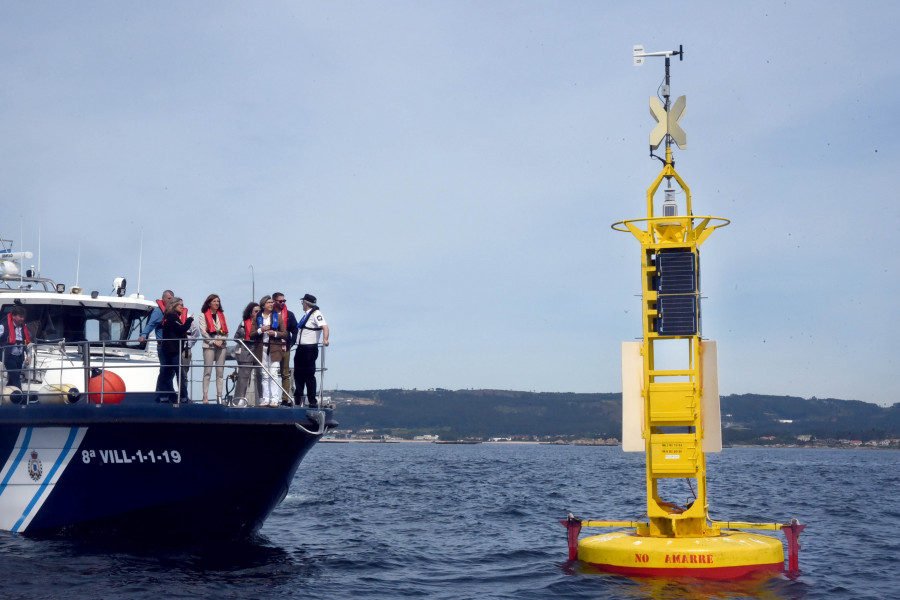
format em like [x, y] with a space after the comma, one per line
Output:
[35, 468]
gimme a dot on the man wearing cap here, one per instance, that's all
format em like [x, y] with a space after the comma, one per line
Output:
[311, 326]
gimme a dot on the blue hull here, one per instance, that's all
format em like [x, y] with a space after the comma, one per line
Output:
[157, 471]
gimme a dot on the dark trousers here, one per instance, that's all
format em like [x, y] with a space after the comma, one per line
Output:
[305, 373]
[168, 370]
[160, 379]
[13, 364]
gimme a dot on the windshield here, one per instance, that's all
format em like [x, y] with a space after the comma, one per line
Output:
[85, 323]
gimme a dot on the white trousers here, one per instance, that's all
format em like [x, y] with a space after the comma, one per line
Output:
[271, 378]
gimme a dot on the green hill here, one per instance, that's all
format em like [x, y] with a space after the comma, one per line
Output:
[482, 414]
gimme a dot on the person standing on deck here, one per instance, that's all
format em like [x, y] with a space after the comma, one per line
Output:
[14, 336]
[157, 316]
[214, 330]
[176, 325]
[312, 326]
[274, 332]
[250, 355]
[288, 318]
[193, 335]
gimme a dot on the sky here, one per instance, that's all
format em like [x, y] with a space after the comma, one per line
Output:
[443, 175]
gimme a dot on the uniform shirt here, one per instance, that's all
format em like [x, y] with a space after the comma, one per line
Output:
[312, 329]
[18, 348]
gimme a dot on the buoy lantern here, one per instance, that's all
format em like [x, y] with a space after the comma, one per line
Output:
[106, 388]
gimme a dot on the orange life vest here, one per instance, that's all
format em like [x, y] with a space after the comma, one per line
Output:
[211, 324]
[162, 307]
[12, 330]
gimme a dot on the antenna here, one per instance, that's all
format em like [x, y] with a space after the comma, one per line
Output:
[22, 238]
[78, 266]
[140, 263]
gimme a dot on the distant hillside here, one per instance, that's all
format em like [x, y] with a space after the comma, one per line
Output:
[483, 414]
[747, 416]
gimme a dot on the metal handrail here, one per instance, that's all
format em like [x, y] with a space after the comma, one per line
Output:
[319, 370]
[88, 353]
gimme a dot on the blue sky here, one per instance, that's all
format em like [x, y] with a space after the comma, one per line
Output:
[442, 175]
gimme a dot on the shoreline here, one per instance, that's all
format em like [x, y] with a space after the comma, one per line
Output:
[530, 443]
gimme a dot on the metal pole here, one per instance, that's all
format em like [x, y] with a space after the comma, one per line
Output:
[178, 373]
[86, 364]
[322, 379]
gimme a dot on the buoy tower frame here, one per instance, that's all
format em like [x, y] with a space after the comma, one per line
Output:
[670, 396]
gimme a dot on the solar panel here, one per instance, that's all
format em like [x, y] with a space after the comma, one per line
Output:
[677, 314]
[676, 283]
[676, 273]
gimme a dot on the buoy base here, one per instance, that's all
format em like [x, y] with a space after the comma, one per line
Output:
[731, 555]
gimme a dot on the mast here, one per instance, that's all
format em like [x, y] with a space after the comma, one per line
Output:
[664, 373]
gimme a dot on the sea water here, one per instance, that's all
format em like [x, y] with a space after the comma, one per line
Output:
[413, 520]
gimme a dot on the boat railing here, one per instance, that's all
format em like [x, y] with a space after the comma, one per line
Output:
[63, 372]
[19, 282]
[256, 363]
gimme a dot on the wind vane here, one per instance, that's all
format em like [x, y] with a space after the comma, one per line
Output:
[666, 116]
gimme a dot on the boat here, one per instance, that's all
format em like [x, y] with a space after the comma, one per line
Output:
[86, 449]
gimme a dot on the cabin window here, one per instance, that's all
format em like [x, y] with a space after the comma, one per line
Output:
[84, 323]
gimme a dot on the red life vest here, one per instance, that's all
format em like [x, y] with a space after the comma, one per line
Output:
[12, 330]
[247, 327]
[211, 324]
[184, 311]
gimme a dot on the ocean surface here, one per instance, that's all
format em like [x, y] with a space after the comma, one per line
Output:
[409, 520]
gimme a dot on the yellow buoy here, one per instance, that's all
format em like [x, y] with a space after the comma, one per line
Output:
[670, 398]
[730, 555]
